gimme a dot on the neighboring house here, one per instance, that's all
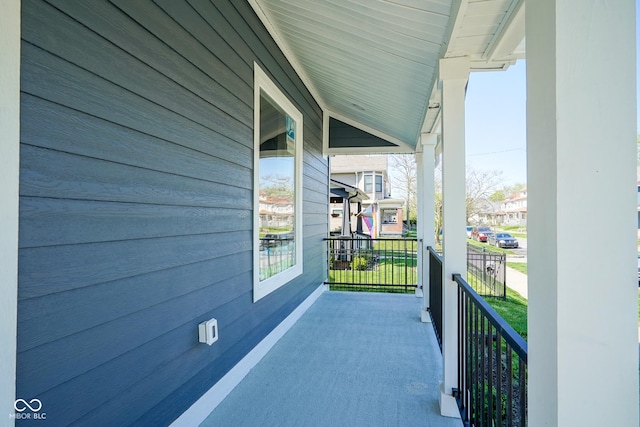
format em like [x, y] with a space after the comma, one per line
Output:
[369, 174]
[276, 212]
[513, 210]
[487, 214]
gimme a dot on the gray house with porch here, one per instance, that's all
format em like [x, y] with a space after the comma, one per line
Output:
[140, 138]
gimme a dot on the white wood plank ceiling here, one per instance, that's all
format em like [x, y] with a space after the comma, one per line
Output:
[374, 63]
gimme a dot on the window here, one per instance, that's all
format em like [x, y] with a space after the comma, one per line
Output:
[277, 250]
[368, 183]
[378, 183]
[389, 216]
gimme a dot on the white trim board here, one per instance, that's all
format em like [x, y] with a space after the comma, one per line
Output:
[9, 183]
[264, 85]
[201, 409]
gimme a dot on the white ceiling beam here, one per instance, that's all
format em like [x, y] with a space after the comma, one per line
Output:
[509, 36]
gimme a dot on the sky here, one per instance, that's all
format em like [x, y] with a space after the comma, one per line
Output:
[495, 123]
[495, 120]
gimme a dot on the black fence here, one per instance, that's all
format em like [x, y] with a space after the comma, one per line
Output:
[492, 364]
[372, 265]
[486, 272]
[277, 254]
[435, 292]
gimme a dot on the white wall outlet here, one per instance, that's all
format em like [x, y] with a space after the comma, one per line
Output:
[208, 331]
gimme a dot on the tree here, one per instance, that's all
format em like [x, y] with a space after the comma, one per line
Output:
[438, 204]
[404, 166]
[481, 188]
[504, 192]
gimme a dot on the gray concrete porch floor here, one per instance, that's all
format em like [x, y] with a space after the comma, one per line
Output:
[353, 359]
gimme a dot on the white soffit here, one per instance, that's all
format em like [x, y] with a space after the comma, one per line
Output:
[489, 32]
[369, 60]
[374, 62]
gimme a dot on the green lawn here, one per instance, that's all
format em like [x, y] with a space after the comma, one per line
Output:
[510, 228]
[396, 245]
[392, 269]
[518, 235]
[520, 266]
[481, 245]
[513, 309]
[515, 230]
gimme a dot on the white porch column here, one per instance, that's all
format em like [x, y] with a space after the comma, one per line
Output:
[426, 203]
[9, 153]
[454, 74]
[420, 226]
[581, 145]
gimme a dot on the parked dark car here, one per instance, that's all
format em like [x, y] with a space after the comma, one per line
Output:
[481, 233]
[276, 240]
[503, 240]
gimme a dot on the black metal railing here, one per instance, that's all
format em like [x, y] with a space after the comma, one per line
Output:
[277, 254]
[372, 265]
[435, 292]
[486, 272]
[492, 364]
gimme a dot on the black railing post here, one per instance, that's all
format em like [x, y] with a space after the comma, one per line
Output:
[435, 292]
[493, 381]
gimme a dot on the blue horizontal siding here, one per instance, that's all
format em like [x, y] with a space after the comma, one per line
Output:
[136, 204]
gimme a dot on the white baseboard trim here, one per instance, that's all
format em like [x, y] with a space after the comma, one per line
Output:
[201, 409]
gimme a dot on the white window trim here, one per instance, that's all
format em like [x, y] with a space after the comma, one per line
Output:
[10, 22]
[264, 83]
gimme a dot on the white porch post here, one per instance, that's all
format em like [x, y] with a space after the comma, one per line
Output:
[454, 74]
[9, 153]
[426, 204]
[420, 226]
[581, 132]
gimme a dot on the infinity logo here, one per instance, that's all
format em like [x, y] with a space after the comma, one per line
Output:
[21, 405]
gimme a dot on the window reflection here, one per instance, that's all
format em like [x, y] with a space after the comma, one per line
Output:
[277, 190]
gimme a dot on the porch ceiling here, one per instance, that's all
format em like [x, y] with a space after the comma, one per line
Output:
[374, 63]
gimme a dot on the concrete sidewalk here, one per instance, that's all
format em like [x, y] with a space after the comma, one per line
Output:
[517, 281]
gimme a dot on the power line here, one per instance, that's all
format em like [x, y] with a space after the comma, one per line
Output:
[496, 152]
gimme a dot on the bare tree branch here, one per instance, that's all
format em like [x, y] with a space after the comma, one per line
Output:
[405, 178]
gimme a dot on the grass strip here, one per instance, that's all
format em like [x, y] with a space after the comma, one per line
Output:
[513, 310]
[519, 266]
[489, 248]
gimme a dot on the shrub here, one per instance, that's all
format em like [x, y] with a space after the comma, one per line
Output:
[359, 263]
